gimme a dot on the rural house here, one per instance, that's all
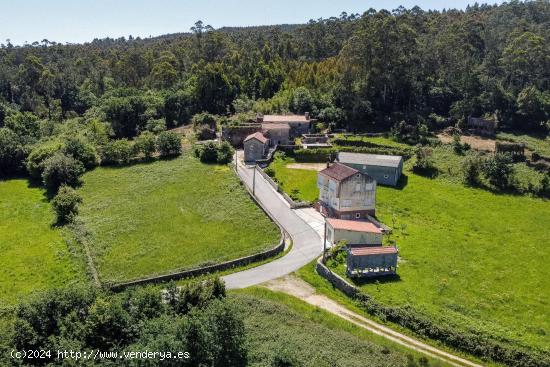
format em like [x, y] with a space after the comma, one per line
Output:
[256, 147]
[353, 232]
[346, 193]
[277, 133]
[298, 124]
[385, 169]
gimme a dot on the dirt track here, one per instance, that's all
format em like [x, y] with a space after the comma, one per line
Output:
[298, 288]
[476, 142]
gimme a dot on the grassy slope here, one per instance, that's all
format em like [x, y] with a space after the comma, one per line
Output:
[276, 322]
[152, 218]
[474, 256]
[299, 179]
[470, 254]
[533, 143]
[33, 255]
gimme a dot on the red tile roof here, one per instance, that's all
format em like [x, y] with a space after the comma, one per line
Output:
[285, 118]
[353, 225]
[339, 171]
[258, 136]
[377, 250]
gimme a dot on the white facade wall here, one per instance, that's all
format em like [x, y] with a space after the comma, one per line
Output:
[353, 194]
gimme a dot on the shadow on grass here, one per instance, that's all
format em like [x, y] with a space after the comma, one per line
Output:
[431, 172]
[377, 280]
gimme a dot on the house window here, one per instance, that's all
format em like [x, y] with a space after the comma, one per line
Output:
[358, 187]
[346, 203]
[357, 215]
[369, 187]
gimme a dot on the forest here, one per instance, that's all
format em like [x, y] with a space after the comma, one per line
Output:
[369, 72]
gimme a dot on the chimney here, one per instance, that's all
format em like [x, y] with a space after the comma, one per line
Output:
[328, 163]
[307, 115]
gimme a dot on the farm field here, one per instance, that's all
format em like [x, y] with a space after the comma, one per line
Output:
[153, 218]
[303, 180]
[281, 325]
[474, 256]
[34, 256]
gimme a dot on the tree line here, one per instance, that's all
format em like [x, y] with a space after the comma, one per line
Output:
[372, 71]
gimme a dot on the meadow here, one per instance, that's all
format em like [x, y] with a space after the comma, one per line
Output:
[477, 257]
[33, 254]
[281, 326]
[297, 181]
[167, 215]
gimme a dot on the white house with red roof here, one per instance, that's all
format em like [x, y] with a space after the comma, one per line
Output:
[346, 193]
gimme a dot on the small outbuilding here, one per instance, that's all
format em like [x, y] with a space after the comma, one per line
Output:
[385, 169]
[256, 147]
[353, 232]
[367, 262]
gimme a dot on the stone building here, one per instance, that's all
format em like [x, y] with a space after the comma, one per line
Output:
[256, 147]
[298, 124]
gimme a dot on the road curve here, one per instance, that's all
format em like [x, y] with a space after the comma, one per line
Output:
[306, 243]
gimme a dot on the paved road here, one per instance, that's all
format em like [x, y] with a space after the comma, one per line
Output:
[306, 243]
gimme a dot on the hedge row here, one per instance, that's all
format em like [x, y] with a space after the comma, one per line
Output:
[322, 155]
[370, 147]
[468, 341]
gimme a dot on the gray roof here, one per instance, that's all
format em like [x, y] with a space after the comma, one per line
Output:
[370, 159]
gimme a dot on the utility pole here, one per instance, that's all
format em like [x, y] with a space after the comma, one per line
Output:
[254, 181]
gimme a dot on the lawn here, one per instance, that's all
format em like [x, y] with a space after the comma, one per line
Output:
[467, 256]
[302, 180]
[379, 140]
[154, 218]
[34, 256]
[279, 325]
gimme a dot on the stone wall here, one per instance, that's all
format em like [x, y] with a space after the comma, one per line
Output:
[336, 280]
[235, 135]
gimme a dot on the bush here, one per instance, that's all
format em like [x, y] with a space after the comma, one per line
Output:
[424, 162]
[65, 204]
[225, 153]
[156, 126]
[471, 170]
[214, 153]
[545, 186]
[498, 170]
[117, 152]
[145, 144]
[11, 151]
[168, 144]
[38, 155]
[204, 118]
[61, 170]
[82, 151]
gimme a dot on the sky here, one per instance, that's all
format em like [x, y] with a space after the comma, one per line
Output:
[78, 21]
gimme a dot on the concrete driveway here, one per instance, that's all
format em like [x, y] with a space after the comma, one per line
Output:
[306, 242]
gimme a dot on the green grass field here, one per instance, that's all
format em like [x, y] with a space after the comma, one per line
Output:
[476, 257]
[153, 218]
[305, 181]
[380, 140]
[34, 256]
[278, 324]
